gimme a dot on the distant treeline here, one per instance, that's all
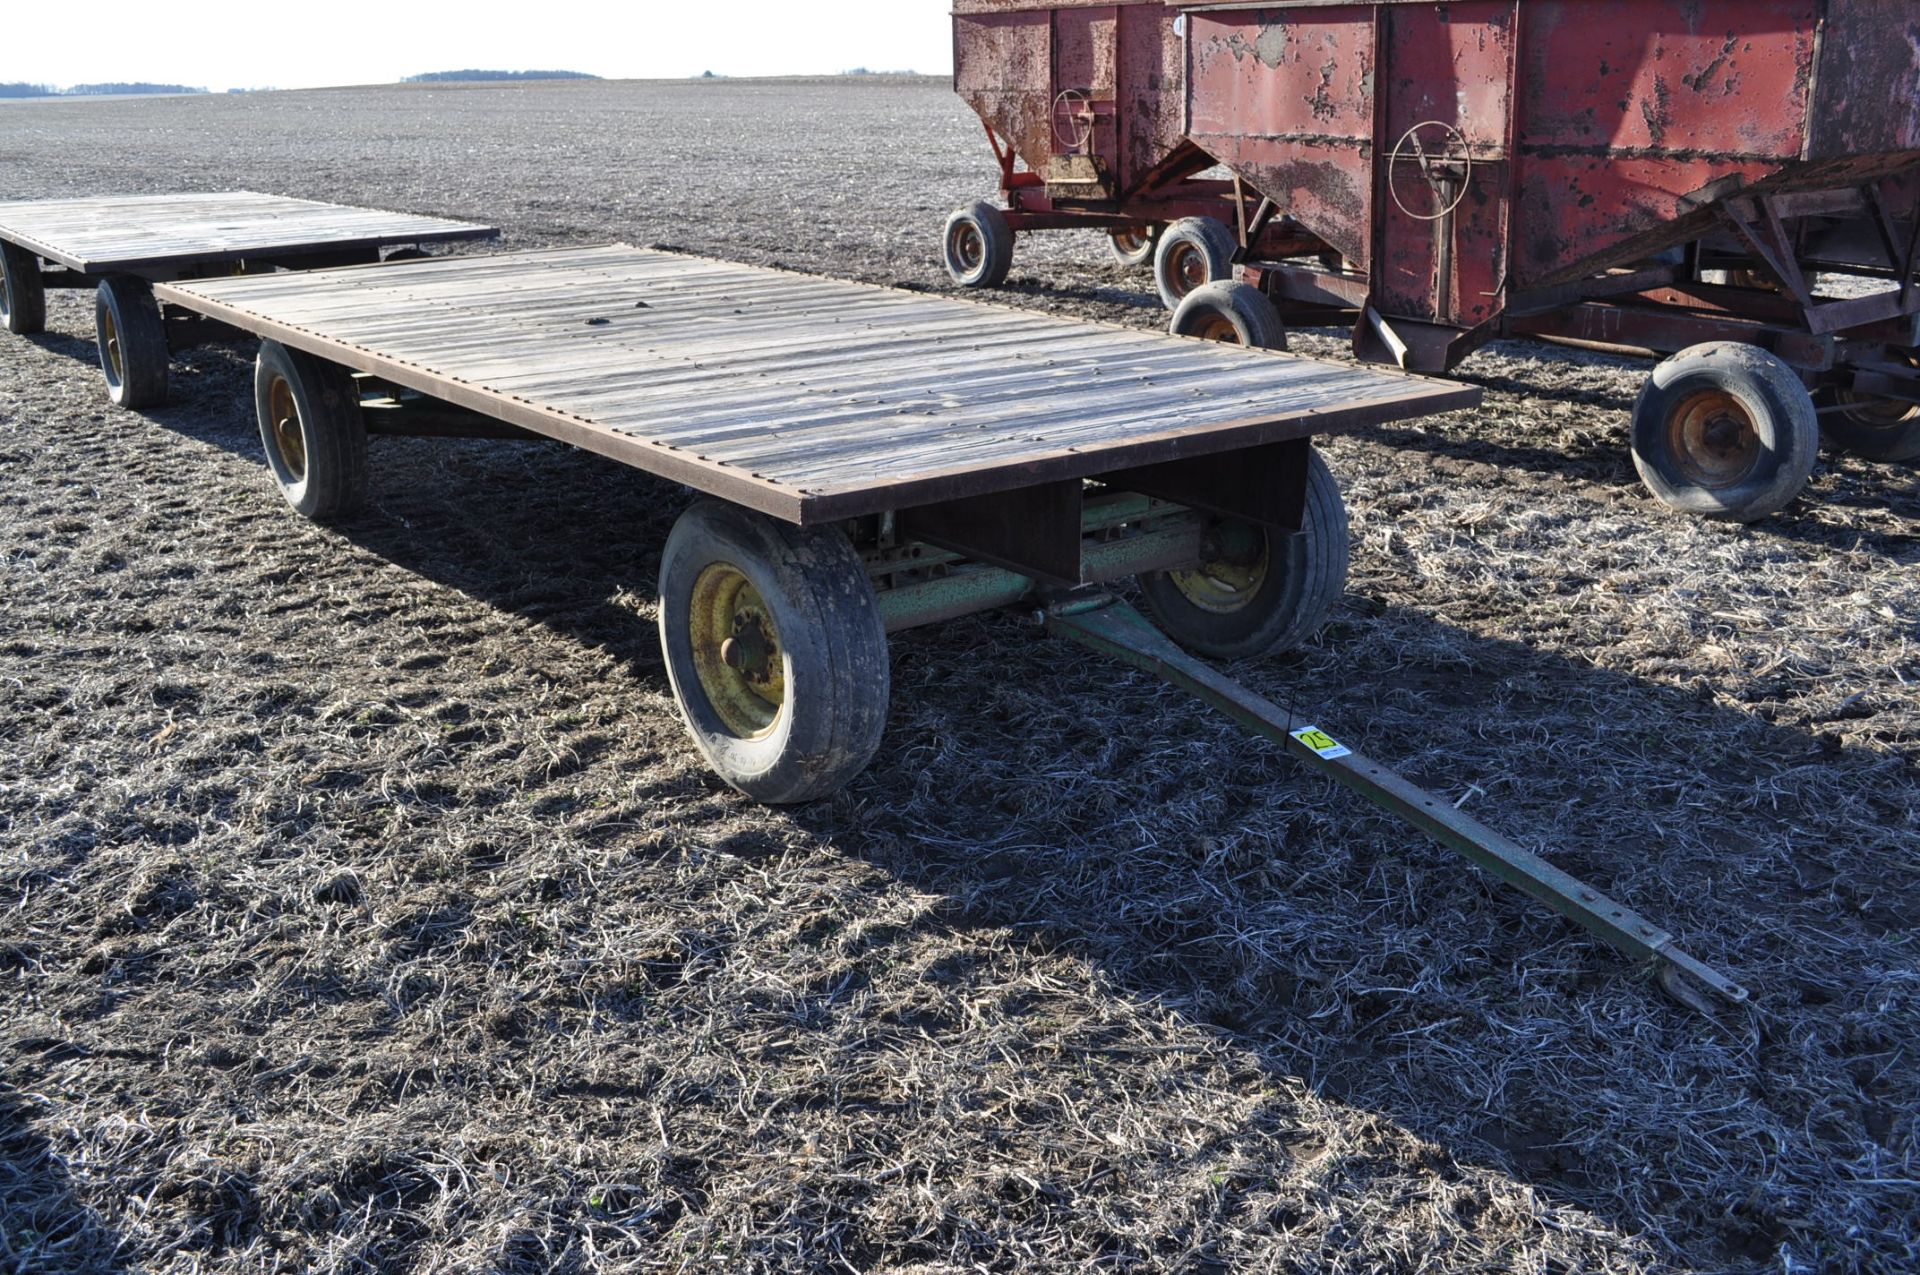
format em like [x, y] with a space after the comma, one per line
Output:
[92, 90]
[445, 77]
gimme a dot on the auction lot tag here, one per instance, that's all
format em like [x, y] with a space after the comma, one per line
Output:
[1322, 743]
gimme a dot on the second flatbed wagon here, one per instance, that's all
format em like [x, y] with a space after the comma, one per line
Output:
[119, 246]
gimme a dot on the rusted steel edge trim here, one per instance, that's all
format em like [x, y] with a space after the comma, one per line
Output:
[831, 504]
[725, 482]
[1116, 629]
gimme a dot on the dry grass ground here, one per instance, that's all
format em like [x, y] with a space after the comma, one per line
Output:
[362, 907]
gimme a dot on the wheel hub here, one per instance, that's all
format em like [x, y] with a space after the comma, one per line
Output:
[288, 438]
[1189, 267]
[1130, 241]
[969, 246]
[736, 651]
[1712, 439]
[1235, 560]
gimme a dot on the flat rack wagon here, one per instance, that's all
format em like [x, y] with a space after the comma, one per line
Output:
[877, 459]
[120, 245]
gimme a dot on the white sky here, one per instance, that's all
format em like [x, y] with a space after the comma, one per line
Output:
[311, 43]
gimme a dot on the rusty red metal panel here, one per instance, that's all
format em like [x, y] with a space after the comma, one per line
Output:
[1151, 90]
[1284, 97]
[1867, 94]
[1628, 122]
[1003, 69]
[1715, 78]
[1444, 206]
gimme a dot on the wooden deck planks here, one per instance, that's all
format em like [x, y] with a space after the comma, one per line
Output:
[127, 234]
[808, 398]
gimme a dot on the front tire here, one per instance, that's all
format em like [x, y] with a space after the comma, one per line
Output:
[311, 428]
[23, 294]
[1725, 431]
[978, 246]
[1193, 252]
[133, 342]
[1232, 313]
[1262, 591]
[776, 651]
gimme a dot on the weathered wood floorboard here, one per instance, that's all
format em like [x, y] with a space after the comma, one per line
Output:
[809, 398]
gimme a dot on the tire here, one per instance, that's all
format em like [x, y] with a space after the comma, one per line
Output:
[1725, 431]
[978, 246]
[1234, 313]
[23, 294]
[1134, 246]
[796, 708]
[133, 342]
[311, 429]
[1192, 252]
[1883, 429]
[1295, 580]
[407, 254]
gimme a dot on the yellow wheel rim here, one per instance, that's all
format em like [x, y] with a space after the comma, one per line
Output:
[1239, 556]
[736, 651]
[288, 438]
[110, 340]
[1712, 439]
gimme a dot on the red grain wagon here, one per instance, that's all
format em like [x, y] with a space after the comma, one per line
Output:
[1736, 182]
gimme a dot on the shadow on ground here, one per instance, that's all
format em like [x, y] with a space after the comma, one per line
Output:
[43, 1226]
[1387, 976]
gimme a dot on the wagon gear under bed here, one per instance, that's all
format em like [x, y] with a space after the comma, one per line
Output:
[120, 245]
[875, 459]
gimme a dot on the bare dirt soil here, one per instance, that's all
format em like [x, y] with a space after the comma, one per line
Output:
[363, 907]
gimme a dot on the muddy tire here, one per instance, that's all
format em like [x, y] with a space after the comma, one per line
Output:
[978, 246]
[1883, 429]
[776, 651]
[1193, 252]
[23, 294]
[133, 342]
[1725, 431]
[1134, 246]
[312, 431]
[1266, 591]
[1234, 313]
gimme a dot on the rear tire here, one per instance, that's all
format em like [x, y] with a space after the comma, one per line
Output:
[1267, 591]
[978, 246]
[1134, 246]
[776, 651]
[1725, 431]
[1233, 313]
[23, 294]
[1881, 429]
[1193, 252]
[311, 428]
[133, 342]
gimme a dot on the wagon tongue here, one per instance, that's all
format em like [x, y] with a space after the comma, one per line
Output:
[1116, 629]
